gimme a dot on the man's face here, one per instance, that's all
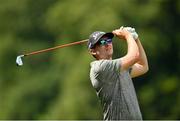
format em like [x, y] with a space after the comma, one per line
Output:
[104, 48]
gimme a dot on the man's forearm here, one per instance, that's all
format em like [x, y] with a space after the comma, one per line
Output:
[133, 49]
[132, 55]
[142, 58]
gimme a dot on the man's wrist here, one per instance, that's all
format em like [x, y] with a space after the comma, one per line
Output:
[129, 36]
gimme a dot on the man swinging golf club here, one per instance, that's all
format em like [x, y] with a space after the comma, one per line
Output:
[111, 78]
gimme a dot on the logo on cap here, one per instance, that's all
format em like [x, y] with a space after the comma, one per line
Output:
[96, 35]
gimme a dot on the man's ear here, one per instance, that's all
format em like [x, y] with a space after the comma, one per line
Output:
[92, 52]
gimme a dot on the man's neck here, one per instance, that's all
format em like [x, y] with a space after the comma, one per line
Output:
[105, 58]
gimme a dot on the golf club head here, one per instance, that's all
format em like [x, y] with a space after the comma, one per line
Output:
[19, 61]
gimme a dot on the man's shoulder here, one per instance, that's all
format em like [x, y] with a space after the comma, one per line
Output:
[106, 65]
[98, 63]
[104, 62]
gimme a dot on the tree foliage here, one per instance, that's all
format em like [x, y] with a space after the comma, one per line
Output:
[56, 85]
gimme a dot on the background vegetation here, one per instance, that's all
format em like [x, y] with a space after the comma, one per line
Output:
[56, 85]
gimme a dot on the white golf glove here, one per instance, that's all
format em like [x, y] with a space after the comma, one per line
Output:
[132, 31]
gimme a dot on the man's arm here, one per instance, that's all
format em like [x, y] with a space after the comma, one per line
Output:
[141, 66]
[132, 55]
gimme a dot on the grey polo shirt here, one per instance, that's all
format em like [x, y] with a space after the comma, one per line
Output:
[115, 90]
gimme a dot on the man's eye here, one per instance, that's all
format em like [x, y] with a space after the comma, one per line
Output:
[103, 42]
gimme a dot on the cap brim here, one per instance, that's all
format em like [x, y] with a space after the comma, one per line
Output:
[109, 34]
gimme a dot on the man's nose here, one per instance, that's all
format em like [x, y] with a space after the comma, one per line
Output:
[108, 44]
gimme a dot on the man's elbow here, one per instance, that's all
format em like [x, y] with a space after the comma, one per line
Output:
[146, 68]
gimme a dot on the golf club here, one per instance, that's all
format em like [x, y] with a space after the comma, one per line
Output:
[19, 61]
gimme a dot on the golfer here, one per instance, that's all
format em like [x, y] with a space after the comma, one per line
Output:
[111, 78]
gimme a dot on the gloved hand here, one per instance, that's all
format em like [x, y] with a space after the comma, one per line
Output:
[132, 31]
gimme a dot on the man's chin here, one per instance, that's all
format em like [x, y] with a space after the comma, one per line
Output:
[110, 54]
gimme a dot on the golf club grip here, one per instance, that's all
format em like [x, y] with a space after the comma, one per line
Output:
[56, 47]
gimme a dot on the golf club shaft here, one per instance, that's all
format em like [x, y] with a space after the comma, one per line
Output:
[56, 47]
